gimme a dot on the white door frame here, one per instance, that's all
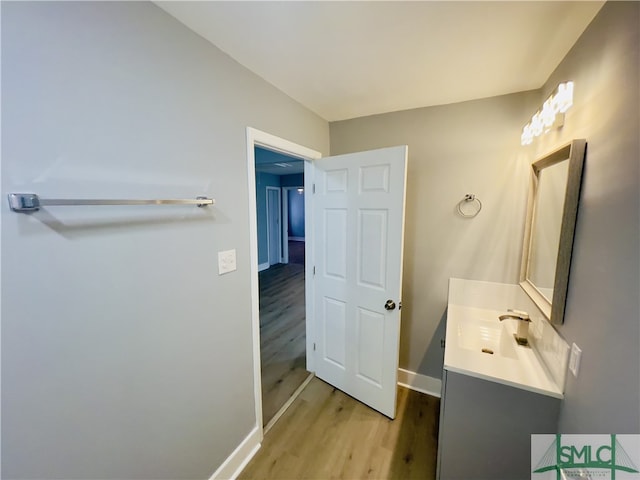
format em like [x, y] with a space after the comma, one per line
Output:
[270, 227]
[277, 144]
[285, 221]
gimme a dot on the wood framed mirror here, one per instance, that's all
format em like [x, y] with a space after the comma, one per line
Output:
[552, 209]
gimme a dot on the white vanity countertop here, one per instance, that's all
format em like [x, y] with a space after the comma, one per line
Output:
[523, 368]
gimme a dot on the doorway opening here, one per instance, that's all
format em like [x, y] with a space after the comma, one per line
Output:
[280, 265]
[356, 317]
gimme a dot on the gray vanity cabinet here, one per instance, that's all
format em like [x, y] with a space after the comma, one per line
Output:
[486, 427]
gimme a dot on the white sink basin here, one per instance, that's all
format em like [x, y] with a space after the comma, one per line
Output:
[486, 338]
[471, 330]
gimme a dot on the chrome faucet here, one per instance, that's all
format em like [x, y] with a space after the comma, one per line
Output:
[523, 325]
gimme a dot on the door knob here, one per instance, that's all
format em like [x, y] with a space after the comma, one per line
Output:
[390, 305]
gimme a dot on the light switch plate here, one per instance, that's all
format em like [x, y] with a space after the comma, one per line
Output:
[574, 359]
[226, 261]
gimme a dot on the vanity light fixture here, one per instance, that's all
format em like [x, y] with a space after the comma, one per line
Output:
[551, 115]
[300, 191]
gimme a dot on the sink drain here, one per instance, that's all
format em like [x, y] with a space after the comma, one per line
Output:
[487, 350]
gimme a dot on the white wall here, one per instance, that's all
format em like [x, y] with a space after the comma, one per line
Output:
[603, 315]
[124, 354]
[470, 147]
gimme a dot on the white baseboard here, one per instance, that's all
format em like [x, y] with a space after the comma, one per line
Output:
[263, 266]
[420, 383]
[235, 463]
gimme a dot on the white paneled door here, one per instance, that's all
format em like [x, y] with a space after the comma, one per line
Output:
[358, 237]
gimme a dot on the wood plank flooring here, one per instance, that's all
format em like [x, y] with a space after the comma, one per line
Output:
[326, 434]
[282, 335]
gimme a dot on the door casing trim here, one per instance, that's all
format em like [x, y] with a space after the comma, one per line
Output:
[278, 231]
[271, 142]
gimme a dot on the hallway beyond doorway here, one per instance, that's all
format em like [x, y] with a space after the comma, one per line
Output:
[296, 252]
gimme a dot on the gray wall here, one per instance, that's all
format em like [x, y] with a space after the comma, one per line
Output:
[124, 354]
[602, 315]
[470, 147]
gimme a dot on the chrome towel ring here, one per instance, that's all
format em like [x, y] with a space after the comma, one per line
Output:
[475, 205]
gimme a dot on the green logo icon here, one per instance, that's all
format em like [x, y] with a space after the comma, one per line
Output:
[579, 458]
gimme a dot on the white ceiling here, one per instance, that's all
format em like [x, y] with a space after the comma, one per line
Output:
[350, 59]
[276, 163]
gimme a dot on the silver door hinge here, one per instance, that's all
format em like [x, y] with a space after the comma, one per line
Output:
[313, 189]
[314, 347]
[314, 270]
